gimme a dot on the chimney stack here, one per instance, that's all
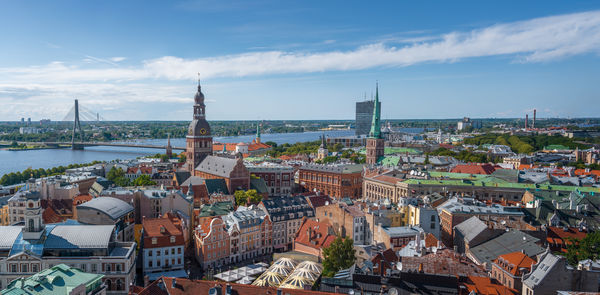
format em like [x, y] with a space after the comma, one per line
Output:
[526, 120]
[533, 125]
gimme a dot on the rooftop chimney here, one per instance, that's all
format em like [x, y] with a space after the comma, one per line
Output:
[533, 124]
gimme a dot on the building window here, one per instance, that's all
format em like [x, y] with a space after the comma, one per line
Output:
[150, 263]
[178, 250]
[94, 268]
[13, 268]
[24, 268]
[153, 241]
[172, 239]
[172, 251]
[150, 253]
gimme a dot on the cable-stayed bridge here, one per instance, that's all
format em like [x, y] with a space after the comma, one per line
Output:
[77, 114]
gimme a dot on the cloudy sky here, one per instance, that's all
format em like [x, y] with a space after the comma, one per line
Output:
[138, 60]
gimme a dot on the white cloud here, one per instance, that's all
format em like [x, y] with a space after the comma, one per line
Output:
[106, 82]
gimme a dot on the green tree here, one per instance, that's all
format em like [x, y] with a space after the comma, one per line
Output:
[240, 198]
[586, 248]
[339, 255]
[164, 158]
[182, 158]
[253, 196]
[143, 180]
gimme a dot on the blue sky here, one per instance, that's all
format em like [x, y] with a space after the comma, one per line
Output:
[138, 60]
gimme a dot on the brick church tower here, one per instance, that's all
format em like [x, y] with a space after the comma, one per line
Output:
[199, 139]
[375, 142]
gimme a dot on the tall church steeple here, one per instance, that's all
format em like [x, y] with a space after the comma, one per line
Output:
[375, 142]
[376, 122]
[199, 139]
[257, 139]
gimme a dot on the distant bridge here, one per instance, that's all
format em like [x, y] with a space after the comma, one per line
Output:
[74, 114]
[81, 145]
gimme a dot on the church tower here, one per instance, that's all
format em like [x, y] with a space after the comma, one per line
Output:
[34, 227]
[322, 152]
[199, 139]
[375, 142]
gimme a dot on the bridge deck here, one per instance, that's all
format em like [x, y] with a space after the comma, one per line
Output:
[146, 146]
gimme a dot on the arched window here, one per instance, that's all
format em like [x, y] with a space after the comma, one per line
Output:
[108, 284]
[119, 285]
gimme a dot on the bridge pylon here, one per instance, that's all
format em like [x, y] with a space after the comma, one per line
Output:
[76, 127]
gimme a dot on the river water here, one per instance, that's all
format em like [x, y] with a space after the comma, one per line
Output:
[13, 161]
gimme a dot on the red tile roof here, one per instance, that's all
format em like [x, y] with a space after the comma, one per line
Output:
[474, 169]
[186, 286]
[230, 147]
[318, 201]
[162, 229]
[50, 216]
[320, 236]
[579, 172]
[558, 236]
[485, 286]
[431, 241]
[514, 262]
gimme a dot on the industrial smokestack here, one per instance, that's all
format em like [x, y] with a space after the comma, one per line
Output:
[533, 125]
[526, 120]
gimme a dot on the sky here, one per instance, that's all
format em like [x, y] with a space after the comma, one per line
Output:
[299, 60]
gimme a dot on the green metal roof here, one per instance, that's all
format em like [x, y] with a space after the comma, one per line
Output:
[501, 184]
[216, 209]
[217, 185]
[390, 161]
[60, 279]
[401, 150]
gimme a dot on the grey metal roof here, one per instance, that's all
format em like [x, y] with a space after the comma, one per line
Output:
[511, 241]
[112, 207]
[220, 166]
[471, 228]
[8, 235]
[541, 269]
[194, 180]
[335, 168]
[79, 236]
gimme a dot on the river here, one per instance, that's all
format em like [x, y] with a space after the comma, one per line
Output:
[13, 161]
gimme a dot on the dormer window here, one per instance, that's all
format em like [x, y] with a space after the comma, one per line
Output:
[172, 239]
[153, 241]
[162, 229]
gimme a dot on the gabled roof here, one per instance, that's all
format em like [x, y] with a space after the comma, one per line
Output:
[474, 169]
[181, 176]
[471, 228]
[319, 237]
[220, 166]
[514, 262]
[316, 201]
[511, 241]
[485, 286]
[216, 186]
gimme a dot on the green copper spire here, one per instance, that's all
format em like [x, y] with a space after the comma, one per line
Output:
[375, 123]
